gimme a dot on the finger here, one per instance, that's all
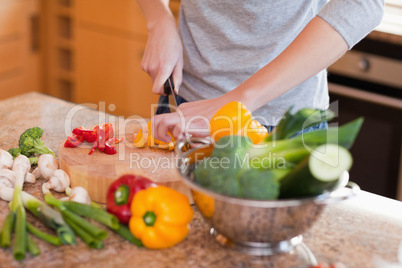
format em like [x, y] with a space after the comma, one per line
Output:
[160, 127]
[160, 79]
[178, 75]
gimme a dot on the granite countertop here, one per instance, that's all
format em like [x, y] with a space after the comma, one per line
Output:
[353, 232]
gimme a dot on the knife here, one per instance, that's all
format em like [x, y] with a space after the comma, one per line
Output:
[168, 89]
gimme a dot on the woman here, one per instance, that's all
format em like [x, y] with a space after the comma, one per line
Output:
[270, 55]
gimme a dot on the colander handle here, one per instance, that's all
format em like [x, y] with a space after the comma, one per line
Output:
[183, 147]
[350, 190]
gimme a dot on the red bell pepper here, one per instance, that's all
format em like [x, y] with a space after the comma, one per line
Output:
[121, 192]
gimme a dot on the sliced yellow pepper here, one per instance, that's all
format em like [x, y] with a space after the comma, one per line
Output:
[160, 217]
[140, 140]
[235, 119]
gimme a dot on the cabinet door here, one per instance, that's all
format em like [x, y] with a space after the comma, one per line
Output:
[114, 16]
[109, 70]
[19, 61]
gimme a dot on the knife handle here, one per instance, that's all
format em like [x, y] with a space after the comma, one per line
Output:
[169, 85]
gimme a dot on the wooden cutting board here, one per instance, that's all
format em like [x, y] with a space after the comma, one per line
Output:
[97, 171]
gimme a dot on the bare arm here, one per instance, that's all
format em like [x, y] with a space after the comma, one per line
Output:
[317, 46]
[163, 52]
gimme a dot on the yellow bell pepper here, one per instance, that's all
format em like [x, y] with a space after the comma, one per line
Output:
[140, 140]
[160, 217]
[255, 131]
[235, 119]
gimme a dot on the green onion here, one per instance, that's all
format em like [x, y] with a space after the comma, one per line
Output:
[7, 229]
[50, 217]
[91, 241]
[20, 242]
[32, 247]
[93, 230]
[95, 213]
[51, 239]
[124, 232]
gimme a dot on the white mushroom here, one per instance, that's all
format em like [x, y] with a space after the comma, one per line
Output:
[6, 160]
[47, 164]
[7, 177]
[30, 178]
[36, 173]
[59, 181]
[78, 194]
[6, 193]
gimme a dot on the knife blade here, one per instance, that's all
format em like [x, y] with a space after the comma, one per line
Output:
[168, 89]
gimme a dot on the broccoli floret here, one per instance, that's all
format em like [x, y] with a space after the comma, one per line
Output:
[17, 151]
[33, 160]
[259, 184]
[228, 171]
[30, 142]
[14, 152]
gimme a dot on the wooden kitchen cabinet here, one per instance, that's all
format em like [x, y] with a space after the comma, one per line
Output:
[20, 65]
[111, 38]
[110, 71]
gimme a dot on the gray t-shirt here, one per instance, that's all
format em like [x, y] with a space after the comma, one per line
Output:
[225, 42]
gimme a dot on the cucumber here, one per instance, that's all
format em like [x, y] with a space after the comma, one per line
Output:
[319, 172]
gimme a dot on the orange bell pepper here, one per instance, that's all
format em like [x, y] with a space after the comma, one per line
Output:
[235, 119]
[160, 217]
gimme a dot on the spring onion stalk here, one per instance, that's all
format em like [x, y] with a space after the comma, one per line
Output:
[6, 230]
[32, 247]
[50, 217]
[98, 214]
[124, 232]
[20, 167]
[20, 240]
[91, 241]
[85, 225]
[51, 239]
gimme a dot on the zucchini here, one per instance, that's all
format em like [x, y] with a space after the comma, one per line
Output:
[319, 172]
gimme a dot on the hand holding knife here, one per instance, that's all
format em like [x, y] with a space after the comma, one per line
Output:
[168, 89]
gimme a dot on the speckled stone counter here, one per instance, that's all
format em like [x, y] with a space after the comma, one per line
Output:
[353, 232]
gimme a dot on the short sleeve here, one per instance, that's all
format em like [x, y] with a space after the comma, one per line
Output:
[353, 19]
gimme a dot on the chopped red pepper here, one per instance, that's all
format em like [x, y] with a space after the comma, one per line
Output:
[73, 141]
[121, 192]
[101, 137]
[109, 146]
